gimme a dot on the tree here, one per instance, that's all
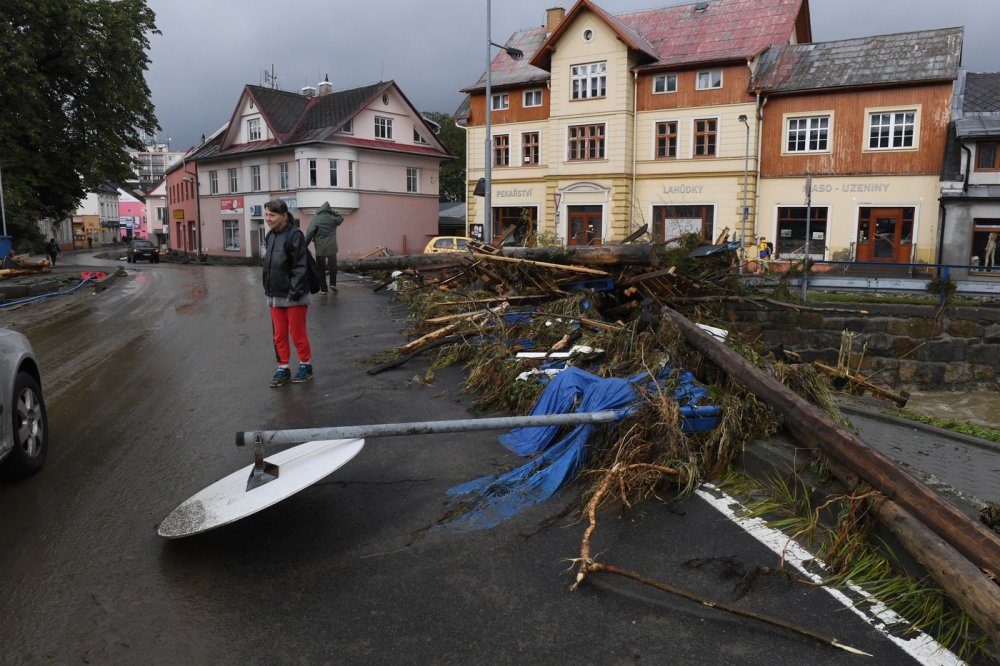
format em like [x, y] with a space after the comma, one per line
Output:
[74, 101]
[452, 176]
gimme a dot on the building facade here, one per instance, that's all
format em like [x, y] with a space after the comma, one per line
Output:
[970, 187]
[365, 150]
[612, 122]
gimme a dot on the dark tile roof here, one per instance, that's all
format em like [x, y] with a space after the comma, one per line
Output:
[926, 55]
[982, 93]
[296, 119]
[678, 36]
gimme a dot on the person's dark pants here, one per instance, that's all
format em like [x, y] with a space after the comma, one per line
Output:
[327, 264]
[52, 258]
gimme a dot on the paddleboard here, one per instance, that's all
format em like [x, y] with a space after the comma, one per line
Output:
[228, 499]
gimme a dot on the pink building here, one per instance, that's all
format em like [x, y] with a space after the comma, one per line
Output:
[367, 151]
[131, 215]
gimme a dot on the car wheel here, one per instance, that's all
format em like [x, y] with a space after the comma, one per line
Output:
[30, 428]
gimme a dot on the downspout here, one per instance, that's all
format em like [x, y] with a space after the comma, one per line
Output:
[761, 103]
[635, 120]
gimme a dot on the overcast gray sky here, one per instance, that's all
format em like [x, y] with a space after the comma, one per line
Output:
[210, 49]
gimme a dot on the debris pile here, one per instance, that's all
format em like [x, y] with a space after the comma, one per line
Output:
[516, 319]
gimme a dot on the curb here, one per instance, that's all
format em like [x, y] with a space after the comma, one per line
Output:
[984, 444]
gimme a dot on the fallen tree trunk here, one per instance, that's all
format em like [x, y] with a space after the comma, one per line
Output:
[589, 255]
[812, 426]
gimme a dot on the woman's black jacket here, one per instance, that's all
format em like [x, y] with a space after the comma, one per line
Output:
[284, 275]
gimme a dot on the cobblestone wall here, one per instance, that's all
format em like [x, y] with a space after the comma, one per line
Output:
[905, 346]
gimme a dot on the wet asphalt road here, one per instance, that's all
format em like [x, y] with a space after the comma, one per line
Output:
[147, 383]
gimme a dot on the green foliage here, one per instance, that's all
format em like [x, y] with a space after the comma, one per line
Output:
[964, 427]
[73, 101]
[452, 176]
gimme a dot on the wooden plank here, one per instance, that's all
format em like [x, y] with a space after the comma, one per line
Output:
[632, 237]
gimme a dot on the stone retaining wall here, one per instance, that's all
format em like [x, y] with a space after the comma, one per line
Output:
[906, 346]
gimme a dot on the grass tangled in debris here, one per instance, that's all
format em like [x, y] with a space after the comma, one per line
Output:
[841, 541]
[964, 427]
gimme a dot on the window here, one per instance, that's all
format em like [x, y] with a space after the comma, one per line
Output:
[283, 176]
[500, 102]
[234, 181]
[529, 148]
[988, 156]
[792, 230]
[161, 213]
[412, 179]
[533, 97]
[417, 138]
[705, 137]
[501, 150]
[808, 135]
[213, 182]
[333, 173]
[348, 127]
[253, 129]
[351, 174]
[666, 139]
[586, 142]
[312, 173]
[985, 238]
[891, 130]
[589, 80]
[383, 128]
[255, 178]
[231, 234]
[710, 79]
[664, 83]
[669, 222]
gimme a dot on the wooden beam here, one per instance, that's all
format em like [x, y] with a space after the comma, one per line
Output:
[541, 264]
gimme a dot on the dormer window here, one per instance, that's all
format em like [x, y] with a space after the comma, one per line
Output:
[664, 83]
[383, 128]
[253, 129]
[348, 127]
[500, 102]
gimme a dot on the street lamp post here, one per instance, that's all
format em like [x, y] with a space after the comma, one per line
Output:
[516, 54]
[746, 177]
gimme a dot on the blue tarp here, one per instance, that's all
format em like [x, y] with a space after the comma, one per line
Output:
[498, 498]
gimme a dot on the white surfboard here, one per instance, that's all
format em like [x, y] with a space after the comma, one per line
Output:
[228, 499]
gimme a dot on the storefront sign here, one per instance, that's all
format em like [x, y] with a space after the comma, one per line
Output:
[683, 189]
[178, 214]
[514, 193]
[232, 205]
[853, 188]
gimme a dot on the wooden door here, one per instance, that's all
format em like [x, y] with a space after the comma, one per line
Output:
[879, 236]
[584, 226]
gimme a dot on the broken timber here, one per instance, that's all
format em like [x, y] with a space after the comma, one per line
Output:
[976, 594]
[585, 255]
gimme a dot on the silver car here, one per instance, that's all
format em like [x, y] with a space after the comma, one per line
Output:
[24, 429]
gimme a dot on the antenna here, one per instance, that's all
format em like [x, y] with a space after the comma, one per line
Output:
[271, 78]
[381, 74]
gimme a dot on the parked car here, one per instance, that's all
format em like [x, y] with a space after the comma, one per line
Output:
[24, 434]
[143, 249]
[447, 244]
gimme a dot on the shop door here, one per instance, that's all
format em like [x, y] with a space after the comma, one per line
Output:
[879, 236]
[584, 225]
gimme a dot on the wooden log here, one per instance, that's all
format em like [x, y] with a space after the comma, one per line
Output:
[599, 255]
[540, 264]
[971, 538]
[862, 383]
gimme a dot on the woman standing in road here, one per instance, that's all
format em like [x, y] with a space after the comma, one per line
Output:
[287, 290]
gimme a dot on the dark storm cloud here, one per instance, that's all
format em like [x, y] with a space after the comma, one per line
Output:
[431, 48]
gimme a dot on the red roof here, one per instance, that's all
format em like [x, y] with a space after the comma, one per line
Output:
[706, 31]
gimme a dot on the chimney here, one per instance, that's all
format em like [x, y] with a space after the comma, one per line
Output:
[553, 17]
[309, 91]
[325, 87]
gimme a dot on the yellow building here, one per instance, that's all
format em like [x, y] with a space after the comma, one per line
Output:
[612, 122]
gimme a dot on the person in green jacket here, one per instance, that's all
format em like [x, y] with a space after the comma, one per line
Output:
[323, 232]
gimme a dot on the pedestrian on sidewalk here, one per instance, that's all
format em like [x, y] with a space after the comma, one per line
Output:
[52, 249]
[287, 290]
[323, 232]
